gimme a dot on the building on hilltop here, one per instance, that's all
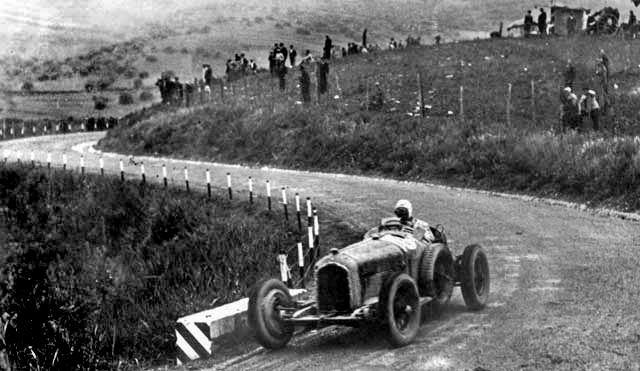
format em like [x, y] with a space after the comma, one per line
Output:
[561, 22]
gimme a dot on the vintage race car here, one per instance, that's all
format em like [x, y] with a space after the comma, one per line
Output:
[385, 278]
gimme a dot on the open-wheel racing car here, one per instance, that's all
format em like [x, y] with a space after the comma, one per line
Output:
[385, 278]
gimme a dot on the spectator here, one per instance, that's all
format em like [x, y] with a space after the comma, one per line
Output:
[364, 38]
[292, 55]
[571, 25]
[438, 38]
[282, 73]
[323, 73]
[305, 85]
[528, 23]
[207, 74]
[542, 22]
[590, 107]
[252, 66]
[308, 57]
[327, 48]
[569, 74]
[570, 109]
[376, 102]
[602, 73]
[272, 62]
[632, 18]
[605, 61]
[284, 52]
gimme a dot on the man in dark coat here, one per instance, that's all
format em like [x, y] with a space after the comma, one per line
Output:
[282, 73]
[542, 22]
[364, 38]
[327, 48]
[305, 85]
[323, 73]
[292, 56]
[528, 23]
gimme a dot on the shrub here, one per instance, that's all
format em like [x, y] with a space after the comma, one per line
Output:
[302, 31]
[184, 50]
[146, 96]
[100, 102]
[137, 83]
[151, 58]
[143, 75]
[125, 99]
[27, 86]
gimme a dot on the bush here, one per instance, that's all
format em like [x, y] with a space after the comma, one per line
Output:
[146, 96]
[125, 99]
[143, 75]
[184, 51]
[302, 31]
[27, 86]
[100, 102]
[137, 83]
[151, 58]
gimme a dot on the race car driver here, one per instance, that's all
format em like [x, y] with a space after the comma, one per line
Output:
[404, 211]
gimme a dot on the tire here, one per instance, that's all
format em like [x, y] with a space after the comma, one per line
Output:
[264, 317]
[401, 309]
[436, 274]
[475, 282]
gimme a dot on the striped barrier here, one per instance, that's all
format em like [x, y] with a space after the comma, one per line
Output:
[196, 333]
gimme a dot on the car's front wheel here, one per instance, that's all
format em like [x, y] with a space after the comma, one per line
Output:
[475, 280]
[401, 307]
[265, 321]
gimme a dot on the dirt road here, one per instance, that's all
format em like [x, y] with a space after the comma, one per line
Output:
[565, 283]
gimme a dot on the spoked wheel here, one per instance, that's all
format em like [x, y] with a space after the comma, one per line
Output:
[401, 305]
[436, 275]
[264, 314]
[475, 283]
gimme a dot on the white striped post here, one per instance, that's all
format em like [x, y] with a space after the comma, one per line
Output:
[57, 128]
[101, 166]
[250, 191]
[208, 176]
[310, 228]
[33, 129]
[33, 159]
[82, 164]
[44, 128]
[22, 130]
[19, 157]
[229, 186]
[268, 196]
[186, 178]
[11, 131]
[164, 176]
[284, 204]
[64, 161]
[142, 174]
[298, 213]
[121, 171]
[48, 160]
[284, 270]
[6, 154]
[301, 262]
[316, 229]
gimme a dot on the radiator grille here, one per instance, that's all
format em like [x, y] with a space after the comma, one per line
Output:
[333, 289]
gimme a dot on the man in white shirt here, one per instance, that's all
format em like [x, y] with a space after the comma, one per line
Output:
[404, 211]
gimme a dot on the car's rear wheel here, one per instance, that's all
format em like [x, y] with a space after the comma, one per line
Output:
[475, 282]
[401, 305]
[436, 275]
[264, 314]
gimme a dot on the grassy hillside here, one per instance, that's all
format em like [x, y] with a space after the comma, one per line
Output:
[341, 132]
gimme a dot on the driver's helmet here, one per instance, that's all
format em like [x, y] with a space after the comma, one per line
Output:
[403, 210]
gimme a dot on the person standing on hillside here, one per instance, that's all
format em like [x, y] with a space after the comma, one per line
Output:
[327, 48]
[605, 61]
[323, 73]
[570, 109]
[305, 85]
[528, 23]
[542, 22]
[364, 38]
[589, 106]
[207, 74]
[292, 55]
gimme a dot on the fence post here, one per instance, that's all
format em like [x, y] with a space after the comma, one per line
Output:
[208, 176]
[298, 213]
[229, 186]
[250, 191]
[366, 88]
[64, 161]
[461, 103]
[316, 229]
[533, 101]
[101, 166]
[284, 269]
[310, 229]
[509, 105]
[33, 159]
[121, 171]
[18, 157]
[82, 164]
[144, 177]
[6, 154]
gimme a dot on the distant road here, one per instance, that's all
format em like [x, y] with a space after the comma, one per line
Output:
[564, 282]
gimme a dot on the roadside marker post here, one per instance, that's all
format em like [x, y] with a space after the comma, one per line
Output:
[82, 164]
[284, 269]
[121, 171]
[298, 213]
[164, 176]
[229, 186]
[18, 157]
[33, 159]
[284, 204]
[461, 103]
[300, 262]
[6, 154]
[310, 229]
[250, 191]
[509, 105]
[186, 178]
[144, 177]
[208, 176]
[316, 228]
[101, 166]
[268, 196]
[48, 160]
[64, 161]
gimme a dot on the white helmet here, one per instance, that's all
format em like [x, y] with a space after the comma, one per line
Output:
[405, 204]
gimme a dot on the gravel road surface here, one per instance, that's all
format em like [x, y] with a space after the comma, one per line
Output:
[565, 283]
